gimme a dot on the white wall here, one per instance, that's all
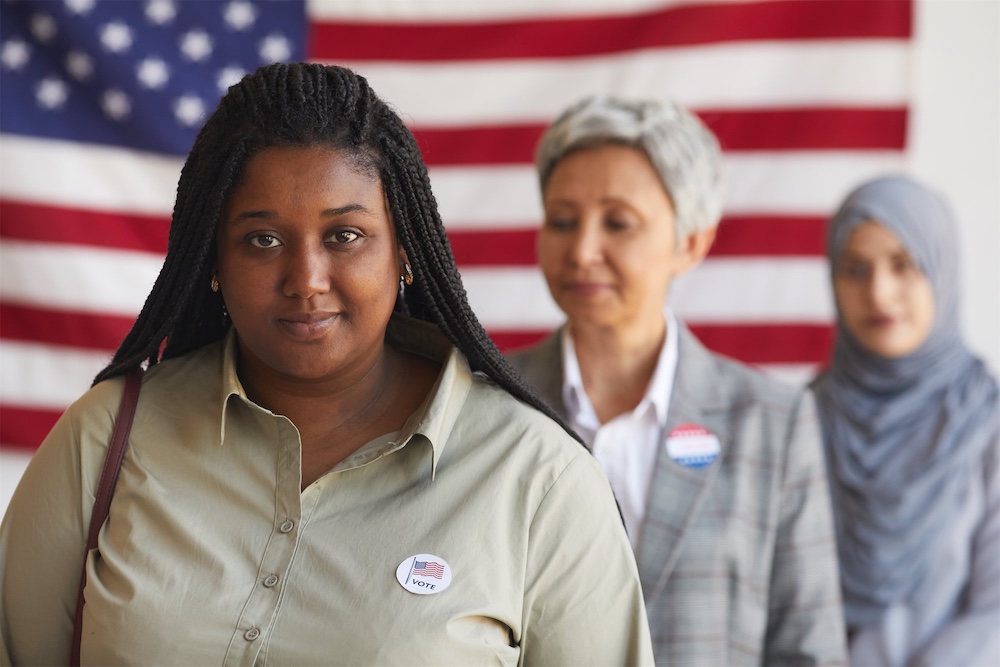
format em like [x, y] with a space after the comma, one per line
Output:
[955, 136]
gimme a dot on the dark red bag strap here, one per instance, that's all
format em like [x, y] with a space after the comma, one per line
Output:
[105, 490]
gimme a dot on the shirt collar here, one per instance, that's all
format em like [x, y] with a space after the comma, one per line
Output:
[578, 404]
[436, 416]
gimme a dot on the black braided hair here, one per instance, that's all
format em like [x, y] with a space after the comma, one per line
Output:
[300, 105]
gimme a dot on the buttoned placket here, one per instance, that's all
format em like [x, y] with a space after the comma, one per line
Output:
[263, 602]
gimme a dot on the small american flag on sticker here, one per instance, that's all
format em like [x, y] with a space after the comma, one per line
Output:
[428, 568]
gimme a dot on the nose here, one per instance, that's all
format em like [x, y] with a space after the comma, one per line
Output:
[307, 273]
[586, 245]
[881, 286]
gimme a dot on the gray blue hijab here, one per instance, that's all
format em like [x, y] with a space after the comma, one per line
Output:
[903, 436]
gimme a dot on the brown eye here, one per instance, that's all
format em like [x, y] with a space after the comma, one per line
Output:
[345, 236]
[855, 271]
[264, 241]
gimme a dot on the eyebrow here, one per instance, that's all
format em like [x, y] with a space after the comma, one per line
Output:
[269, 215]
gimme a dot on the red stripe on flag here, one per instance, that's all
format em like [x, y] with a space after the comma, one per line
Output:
[53, 224]
[784, 236]
[829, 128]
[64, 328]
[336, 40]
[749, 343]
[768, 343]
[25, 427]
[743, 130]
[739, 236]
[493, 247]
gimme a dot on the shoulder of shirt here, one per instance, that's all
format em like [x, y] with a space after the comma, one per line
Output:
[159, 377]
[493, 407]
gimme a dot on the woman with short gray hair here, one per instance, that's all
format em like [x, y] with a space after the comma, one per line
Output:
[718, 470]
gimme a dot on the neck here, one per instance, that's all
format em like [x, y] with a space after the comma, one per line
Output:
[350, 395]
[617, 364]
[336, 416]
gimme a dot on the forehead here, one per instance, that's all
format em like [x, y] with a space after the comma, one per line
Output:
[299, 167]
[606, 169]
[871, 239]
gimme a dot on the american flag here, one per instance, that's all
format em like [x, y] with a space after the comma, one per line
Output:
[428, 568]
[102, 100]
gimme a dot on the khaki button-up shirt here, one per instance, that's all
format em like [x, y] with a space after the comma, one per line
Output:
[213, 555]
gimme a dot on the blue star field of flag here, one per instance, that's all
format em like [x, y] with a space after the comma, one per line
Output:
[140, 74]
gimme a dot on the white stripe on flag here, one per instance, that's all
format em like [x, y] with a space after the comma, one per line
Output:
[755, 75]
[69, 174]
[417, 11]
[721, 290]
[77, 278]
[46, 376]
[801, 182]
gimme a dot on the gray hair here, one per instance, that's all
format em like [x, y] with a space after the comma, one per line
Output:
[684, 152]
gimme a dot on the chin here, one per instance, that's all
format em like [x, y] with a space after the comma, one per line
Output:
[890, 349]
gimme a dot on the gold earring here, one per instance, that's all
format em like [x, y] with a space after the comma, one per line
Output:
[408, 278]
[215, 284]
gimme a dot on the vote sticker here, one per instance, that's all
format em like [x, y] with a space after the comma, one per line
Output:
[692, 446]
[424, 574]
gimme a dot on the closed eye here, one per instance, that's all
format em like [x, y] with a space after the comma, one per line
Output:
[560, 224]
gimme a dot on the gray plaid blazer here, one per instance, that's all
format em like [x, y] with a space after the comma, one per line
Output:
[737, 559]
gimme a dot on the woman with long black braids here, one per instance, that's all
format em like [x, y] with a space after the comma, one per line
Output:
[330, 461]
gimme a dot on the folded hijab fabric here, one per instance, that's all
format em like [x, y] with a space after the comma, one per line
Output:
[904, 435]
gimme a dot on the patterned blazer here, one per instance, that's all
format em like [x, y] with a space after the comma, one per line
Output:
[737, 559]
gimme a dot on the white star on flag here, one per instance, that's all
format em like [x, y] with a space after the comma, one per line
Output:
[274, 48]
[228, 76]
[196, 45]
[43, 27]
[161, 12]
[240, 15]
[51, 92]
[79, 65]
[80, 6]
[189, 110]
[116, 37]
[14, 54]
[116, 104]
[153, 73]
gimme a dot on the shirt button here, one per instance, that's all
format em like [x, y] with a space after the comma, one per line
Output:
[251, 634]
[287, 526]
[271, 580]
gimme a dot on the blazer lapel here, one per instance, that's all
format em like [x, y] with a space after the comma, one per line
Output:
[677, 492]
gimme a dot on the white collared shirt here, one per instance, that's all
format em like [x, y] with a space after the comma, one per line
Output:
[626, 446]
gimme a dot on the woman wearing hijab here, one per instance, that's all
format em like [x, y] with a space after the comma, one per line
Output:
[911, 425]
[718, 469]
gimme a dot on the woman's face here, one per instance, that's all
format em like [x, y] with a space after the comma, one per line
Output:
[308, 264]
[885, 301]
[607, 246]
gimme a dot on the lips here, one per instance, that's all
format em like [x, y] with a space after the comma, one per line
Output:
[585, 288]
[308, 326]
[880, 321]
